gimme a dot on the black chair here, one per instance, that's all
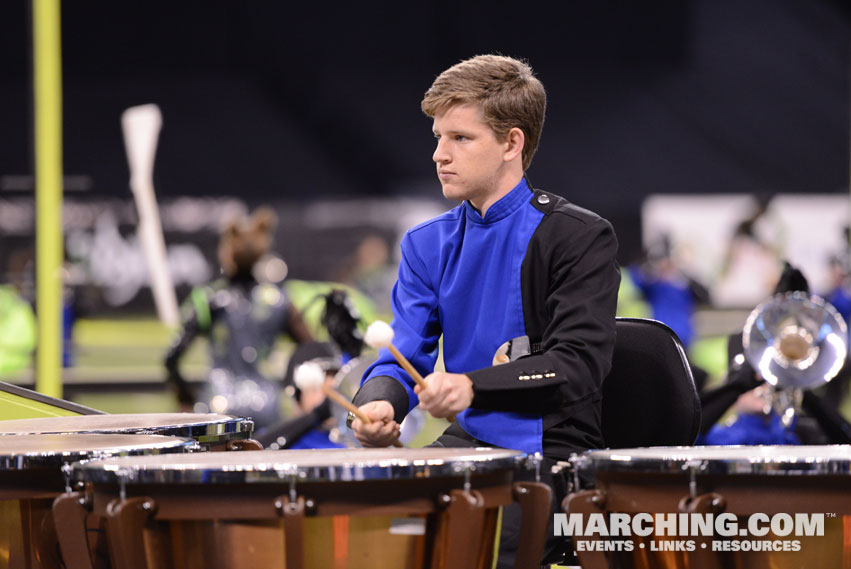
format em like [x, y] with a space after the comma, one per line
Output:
[649, 397]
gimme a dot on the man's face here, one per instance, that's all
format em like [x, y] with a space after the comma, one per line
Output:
[469, 157]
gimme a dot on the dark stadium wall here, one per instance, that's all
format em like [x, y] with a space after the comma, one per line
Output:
[306, 101]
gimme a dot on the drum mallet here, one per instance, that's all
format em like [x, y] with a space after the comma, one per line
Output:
[379, 334]
[310, 375]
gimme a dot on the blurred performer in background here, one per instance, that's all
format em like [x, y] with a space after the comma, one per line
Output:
[756, 422]
[751, 263]
[839, 295]
[371, 271]
[509, 262]
[672, 295]
[314, 426]
[241, 318]
[17, 331]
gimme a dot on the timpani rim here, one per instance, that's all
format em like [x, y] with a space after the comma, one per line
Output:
[281, 466]
[771, 460]
[199, 426]
[25, 452]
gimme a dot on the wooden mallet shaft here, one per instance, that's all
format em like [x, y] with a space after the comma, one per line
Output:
[380, 335]
[406, 365]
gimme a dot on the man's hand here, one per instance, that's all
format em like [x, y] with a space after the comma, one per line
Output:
[383, 431]
[446, 394]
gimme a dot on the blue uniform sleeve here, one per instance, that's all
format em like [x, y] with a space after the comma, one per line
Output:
[639, 279]
[416, 330]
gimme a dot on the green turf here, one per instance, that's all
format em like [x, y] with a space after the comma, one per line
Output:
[136, 346]
[140, 332]
[711, 355]
[129, 403]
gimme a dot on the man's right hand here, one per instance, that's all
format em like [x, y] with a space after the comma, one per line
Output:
[383, 431]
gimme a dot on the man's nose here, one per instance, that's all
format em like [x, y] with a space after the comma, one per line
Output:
[440, 153]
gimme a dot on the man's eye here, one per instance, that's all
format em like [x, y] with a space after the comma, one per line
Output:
[460, 137]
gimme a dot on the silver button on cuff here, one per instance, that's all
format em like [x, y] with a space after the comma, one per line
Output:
[543, 200]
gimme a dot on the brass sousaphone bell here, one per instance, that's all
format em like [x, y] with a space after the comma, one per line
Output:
[794, 341]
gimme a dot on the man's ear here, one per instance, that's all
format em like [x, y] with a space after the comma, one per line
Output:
[515, 140]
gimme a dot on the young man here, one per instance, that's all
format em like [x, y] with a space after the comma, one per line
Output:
[509, 262]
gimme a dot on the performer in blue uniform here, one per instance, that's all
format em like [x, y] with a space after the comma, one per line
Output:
[510, 262]
[672, 295]
[310, 428]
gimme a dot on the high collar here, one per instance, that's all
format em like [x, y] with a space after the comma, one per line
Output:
[505, 206]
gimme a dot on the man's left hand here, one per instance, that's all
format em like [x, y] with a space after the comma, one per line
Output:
[446, 394]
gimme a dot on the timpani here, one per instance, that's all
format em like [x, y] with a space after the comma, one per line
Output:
[34, 470]
[756, 484]
[337, 508]
[211, 431]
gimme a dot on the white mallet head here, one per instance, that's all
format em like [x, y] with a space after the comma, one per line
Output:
[309, 375]
[379, 334]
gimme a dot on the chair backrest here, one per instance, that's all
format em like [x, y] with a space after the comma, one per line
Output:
[649, 397]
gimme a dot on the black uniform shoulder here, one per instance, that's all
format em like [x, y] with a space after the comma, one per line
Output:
[555, 207]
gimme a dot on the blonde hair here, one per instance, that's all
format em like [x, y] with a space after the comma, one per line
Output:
[505, 90]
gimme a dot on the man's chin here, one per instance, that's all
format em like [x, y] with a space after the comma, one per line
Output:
[452, 193]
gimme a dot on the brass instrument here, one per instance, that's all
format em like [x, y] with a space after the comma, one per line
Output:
[795, 342]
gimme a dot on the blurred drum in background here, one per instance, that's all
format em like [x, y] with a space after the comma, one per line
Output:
[337, 508]
[34, 470]
[254, 396]
[347, 382]
[211, 431]
[748, 507]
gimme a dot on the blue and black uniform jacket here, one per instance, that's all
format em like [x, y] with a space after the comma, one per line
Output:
[535, 265]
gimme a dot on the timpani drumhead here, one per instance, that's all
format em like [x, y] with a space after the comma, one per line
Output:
[331, 465]
[203, 427]
[24, 452]
[726, 460]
